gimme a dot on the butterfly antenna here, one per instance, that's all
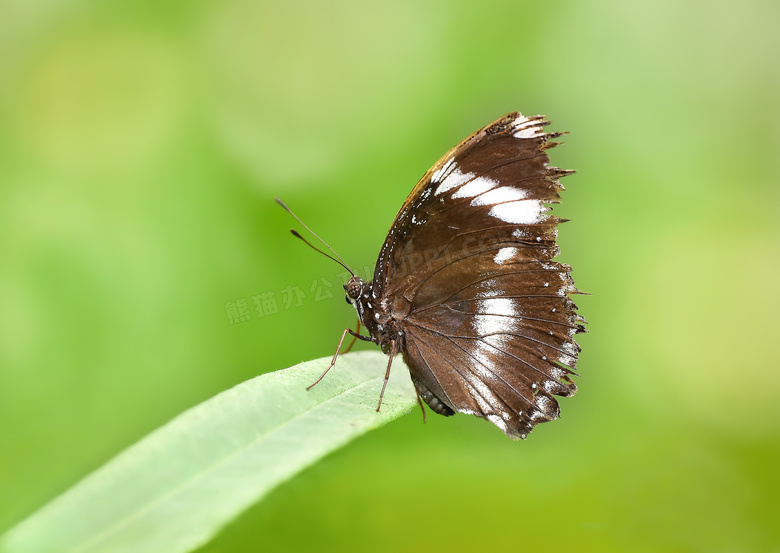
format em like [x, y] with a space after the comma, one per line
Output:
[295, 233]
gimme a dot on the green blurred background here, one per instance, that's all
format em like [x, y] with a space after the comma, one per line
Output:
[141, 145]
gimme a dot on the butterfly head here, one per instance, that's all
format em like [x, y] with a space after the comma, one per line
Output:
[354, 288]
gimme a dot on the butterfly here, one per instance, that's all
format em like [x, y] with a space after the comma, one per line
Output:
[466, 288]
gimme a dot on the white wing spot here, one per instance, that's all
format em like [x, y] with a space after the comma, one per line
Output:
[530, 132]
[542, 402]
[570, 348]
[497, 306]
[519, 233]
[475, 187]
[499, 195]
[437, 175]
[494, 320]
[484, 325]
[526, 128]
[520, 212]
[504, 254]
[454, 179]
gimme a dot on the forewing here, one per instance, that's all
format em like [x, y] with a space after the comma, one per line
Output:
[468, 270]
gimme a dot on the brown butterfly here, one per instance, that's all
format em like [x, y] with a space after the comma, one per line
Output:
[466, 289]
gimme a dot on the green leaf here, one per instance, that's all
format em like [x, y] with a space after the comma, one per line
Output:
[177, 487]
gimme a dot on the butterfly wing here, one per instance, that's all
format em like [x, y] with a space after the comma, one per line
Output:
[467, 270]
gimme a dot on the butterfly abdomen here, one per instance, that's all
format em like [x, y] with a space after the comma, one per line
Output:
[436, 405]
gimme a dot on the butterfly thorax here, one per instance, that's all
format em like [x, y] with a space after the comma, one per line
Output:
[374, 315]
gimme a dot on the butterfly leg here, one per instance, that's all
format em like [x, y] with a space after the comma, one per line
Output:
[352, 343]
[393, 352]
[420, 402]
[335, 355]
